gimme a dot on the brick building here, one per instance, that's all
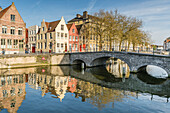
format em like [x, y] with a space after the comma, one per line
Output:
[12, 30]
[73, 38]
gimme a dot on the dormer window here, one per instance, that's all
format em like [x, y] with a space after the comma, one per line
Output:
[12, 17]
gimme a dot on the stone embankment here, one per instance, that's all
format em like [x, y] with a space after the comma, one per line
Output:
[32, 60]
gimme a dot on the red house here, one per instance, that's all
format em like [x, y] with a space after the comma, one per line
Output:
[73, 38]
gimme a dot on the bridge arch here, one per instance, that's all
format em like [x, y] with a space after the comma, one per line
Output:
[139, 67]
[79, 62]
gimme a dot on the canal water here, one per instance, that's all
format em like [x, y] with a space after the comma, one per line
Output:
[69, 89]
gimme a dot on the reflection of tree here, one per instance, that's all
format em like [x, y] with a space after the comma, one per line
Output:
[99, 96]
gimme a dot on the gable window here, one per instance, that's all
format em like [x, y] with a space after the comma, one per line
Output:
[73, 30]
[19, 31]
[4, 29]
[12, 17]
[12, 30]
[62, 27]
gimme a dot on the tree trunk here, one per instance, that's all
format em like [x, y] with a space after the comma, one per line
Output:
[120, 44]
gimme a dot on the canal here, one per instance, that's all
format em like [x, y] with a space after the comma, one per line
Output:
[70, 89]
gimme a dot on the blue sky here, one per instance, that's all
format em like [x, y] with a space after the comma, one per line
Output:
[154, 13]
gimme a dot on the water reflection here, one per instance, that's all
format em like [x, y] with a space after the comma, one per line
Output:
[12, 92]
[101, 87]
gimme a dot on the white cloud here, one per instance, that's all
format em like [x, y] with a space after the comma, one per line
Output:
[91, 5]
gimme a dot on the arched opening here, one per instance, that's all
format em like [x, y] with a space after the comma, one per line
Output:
[114, 66]
[79, 64]
[118, 68]
[152, 74]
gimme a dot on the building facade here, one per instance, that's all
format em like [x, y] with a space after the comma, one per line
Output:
[12, 31]
[166, 44]
[32, 37]
[88, 40]
[52, 37]
[73, 38]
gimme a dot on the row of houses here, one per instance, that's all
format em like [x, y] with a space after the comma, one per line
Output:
[57, 36]
[50, 37]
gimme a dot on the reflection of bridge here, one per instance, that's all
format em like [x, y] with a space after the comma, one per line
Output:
[134, 60]
[133, 83]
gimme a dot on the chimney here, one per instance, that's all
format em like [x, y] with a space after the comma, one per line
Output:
[85, 15]
[0, 8]
[78, 15]
[12, 3]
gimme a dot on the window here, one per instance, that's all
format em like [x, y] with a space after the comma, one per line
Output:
[41, 36]
[45, 35]
[34, 31]
[41, 45]
[76, 47]
[73, 30]
[4, 29]
[58, 34]
[45, 45]
[65, 35]
[38, 45]
[38, 37]
[76, 38]
[12, 30]
[70, 38]
[9, 42]
[51, 45]
[73, 38]
[51, 36]
[2, 43]
[70, 46]
[62, 35]
[12, 17]
[62, 45]
[62, 27]
[58, 45]
[19, 31]
[73, 46]
[34, 38]
[15, 43]
[43, 28]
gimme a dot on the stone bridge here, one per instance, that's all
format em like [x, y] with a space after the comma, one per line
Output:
[134, 60]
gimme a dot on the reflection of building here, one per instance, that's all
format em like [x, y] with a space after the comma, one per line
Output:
[12, 92]
[57, 85]
[118, 68]
[72, 83]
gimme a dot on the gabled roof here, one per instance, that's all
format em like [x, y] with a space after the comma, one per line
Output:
[51, 26]
[78, 28]
[4, 11]
[69, 26]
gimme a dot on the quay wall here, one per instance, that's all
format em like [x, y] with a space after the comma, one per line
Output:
[32, 60]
